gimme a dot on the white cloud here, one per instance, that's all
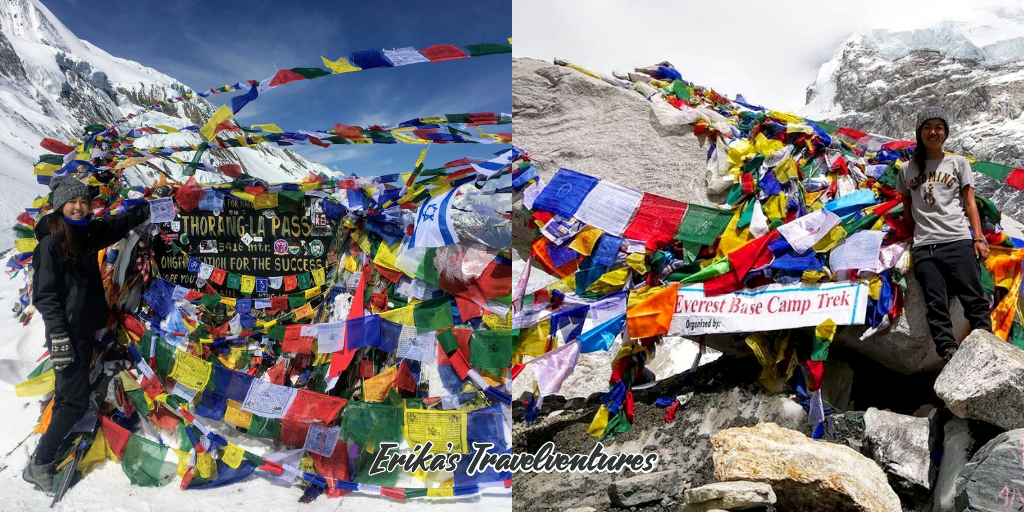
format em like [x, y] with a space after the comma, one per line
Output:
[768, 51]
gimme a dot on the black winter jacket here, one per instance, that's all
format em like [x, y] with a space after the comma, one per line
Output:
[70, 297]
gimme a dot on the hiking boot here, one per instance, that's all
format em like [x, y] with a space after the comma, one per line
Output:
[948, 354]
[40, 474]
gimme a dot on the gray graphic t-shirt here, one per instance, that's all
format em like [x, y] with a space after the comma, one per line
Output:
[937, 199]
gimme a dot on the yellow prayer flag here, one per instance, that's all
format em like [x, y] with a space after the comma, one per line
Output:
[585, 240]
[98, 453]
[440, 492]
[312, 292]
[37, 386]
[190, 371]
[600, 422]
[533, 340]
[168, 129]
[205, 465]
[228, 301]
[341, 65]
[45, 169]
[25, 244]
[232, 455]
[183, 460]
[423, 155]
[222, 114]
[386, 257]
[248, 284]
[438, 427]
[40, 201]
[234, 414]
[402, 136]
[304, 311]
[319, 277]
[829, 241]
[265, 201]
[375, 389]
[402, 316]
[269, 127]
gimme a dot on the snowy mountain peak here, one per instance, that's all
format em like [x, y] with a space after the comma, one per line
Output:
[52, 84]
[878, 80]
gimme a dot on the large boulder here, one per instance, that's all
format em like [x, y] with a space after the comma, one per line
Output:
[902, 445]
[805, 474]
[985, 381]
[567, 119]
[643, 489]
[994, 478]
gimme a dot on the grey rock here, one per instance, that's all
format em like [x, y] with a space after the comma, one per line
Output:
[993, 479]
[985, 381]
[735, 495]
[643, 489]
[902, 445]
[956, 448]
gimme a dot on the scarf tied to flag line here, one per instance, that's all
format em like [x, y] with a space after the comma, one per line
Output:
[806, 206]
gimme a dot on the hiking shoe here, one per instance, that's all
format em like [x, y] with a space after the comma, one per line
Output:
[40, 474]
[948, 354]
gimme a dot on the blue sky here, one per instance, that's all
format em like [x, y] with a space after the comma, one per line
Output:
[213, 43]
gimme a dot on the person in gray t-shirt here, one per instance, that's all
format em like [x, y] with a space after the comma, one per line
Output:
[938, 199]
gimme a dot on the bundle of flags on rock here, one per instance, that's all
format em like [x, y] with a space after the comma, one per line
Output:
[806, 207]
[386, 321]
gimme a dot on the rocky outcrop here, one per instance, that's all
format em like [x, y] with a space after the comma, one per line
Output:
[985, 381]
[902, 445]
[805, 474]
[956, 449]
[729, 496]
[994, 478]
[643, 489]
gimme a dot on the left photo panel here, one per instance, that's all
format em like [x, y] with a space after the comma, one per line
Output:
[258, 250]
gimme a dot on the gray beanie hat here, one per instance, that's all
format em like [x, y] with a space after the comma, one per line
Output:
[66, 188]
[932, 112]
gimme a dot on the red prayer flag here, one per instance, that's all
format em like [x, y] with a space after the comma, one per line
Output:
[218, 275]
[366, 369]
[290, 282]
[285, 76]
[753, 255]
[278, 303]
[311, 406]
[293, 433]
[293, 342]
[189, 195]
[233, 170]
[656, 221]
[404, 379]
[318, 142]
[1016, 179]
[441, 52]
[56, 146]
[334, 467]
[467, 308]
[116, 435]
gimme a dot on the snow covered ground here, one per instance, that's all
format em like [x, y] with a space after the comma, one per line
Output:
[107, 487]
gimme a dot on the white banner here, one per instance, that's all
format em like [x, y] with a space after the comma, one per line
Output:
[769, 308]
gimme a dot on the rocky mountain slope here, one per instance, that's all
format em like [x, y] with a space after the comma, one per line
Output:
[52, 84]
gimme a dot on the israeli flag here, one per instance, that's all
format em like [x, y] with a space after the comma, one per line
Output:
[433, 225]
[492, 166]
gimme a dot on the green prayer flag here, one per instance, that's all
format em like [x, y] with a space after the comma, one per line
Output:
[277, 332]
[210, 301]
[138, 397]
[433, 315]
[994, 171]
[304, 280]
[702, 225]
[234, 281]
[290, 200]
[447, 341]
[310, 73]
[476, 50]
[713, 270]
[296, 300]
[458, 118]
[165, 353]
[1017, 335]
[144, 463]
[264, 427]
[987, 282]
[618, 424]
[492, 349]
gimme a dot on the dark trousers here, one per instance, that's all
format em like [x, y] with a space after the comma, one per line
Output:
[945, 271]
[70, 399]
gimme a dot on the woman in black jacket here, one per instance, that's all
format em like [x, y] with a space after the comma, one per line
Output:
[67, 290]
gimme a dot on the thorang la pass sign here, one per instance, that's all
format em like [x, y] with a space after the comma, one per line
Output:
[769, 308]
[249, 242]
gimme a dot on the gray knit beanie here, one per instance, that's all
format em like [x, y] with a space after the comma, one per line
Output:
[65, 188]
[932, 112]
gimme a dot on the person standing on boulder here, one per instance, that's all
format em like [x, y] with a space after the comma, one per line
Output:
[938, 196]
[67, 290]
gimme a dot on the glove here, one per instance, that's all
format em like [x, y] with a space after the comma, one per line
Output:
[61, 351]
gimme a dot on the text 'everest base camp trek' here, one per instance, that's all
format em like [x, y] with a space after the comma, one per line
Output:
[774, 253]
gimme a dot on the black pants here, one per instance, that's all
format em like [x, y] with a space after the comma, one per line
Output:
[945, 271]
[70, 399]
